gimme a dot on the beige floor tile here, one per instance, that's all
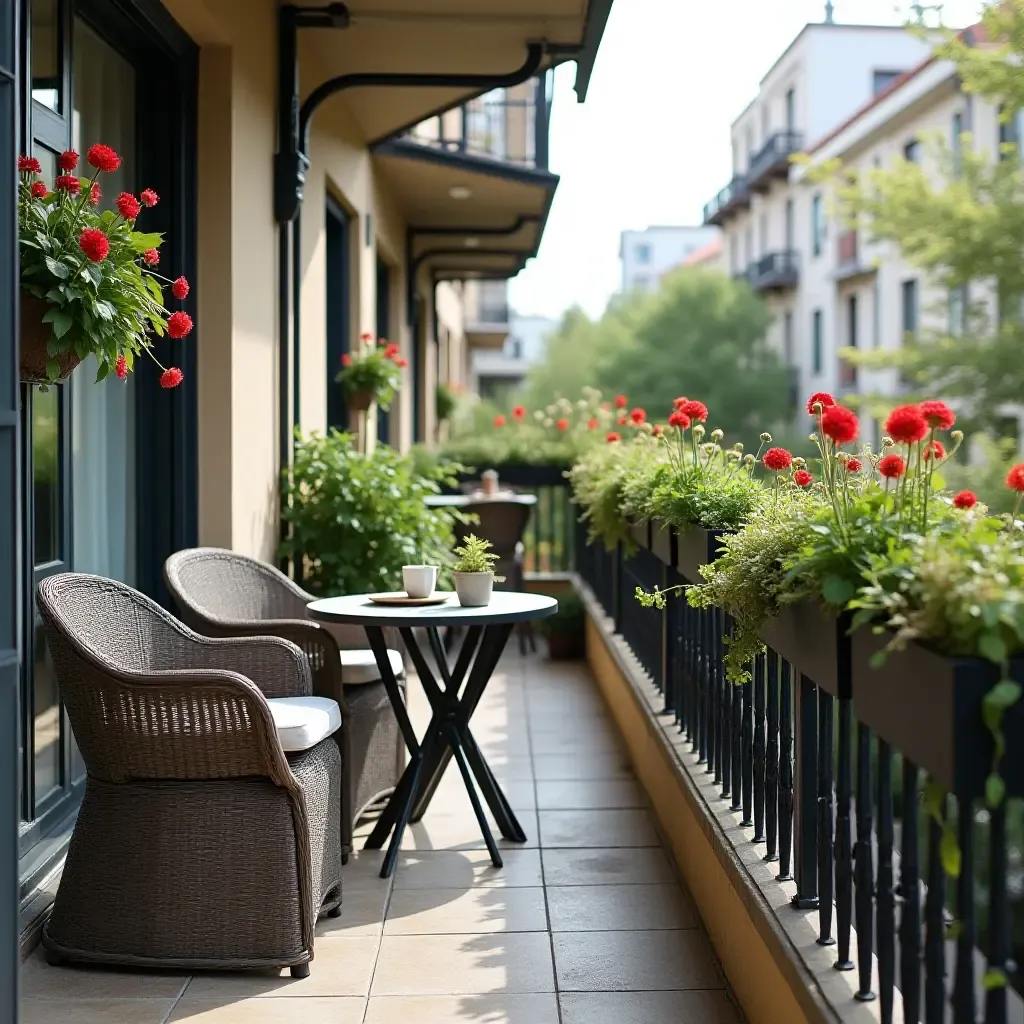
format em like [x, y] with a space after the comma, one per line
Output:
[362, 914]
[362, 872]
[460, 831]
[451, 869]
[647, 1008]
[499, 1009]
[595, 744]
[580, 794]
[604, 829]
[464, 964]
[600, 908]
[466, 911]
[340, 1010]
[519, 792]
[581, 765]
[341, 967]
[606, 867]
[39, 979]
[95, 1011]
[633, 961]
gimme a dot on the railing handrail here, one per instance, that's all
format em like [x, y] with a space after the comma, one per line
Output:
[778, 146]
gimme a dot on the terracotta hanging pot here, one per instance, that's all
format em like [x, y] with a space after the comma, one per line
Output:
[360, 401]
[34, 337]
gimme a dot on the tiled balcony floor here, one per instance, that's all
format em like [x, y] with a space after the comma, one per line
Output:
[586, 924]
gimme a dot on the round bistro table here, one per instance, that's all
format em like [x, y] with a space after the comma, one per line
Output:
[461, 500]
[451, 703]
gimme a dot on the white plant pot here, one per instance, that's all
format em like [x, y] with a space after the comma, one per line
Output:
[474, 588]
[419, 580]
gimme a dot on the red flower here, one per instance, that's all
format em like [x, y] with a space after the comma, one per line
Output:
[777, 459]
[638, 416]
[679, 419]
[67, 183]
[934, 449]
[346, 359]
[657, 430]
[103, 158]
[94, 244]
[390, 351]
[149, 197]
[613, 437]
[151, 257]
[366, 336]
[29, 165]
[499, 420]
[128, 206]
[179, 324]
[853, 465]
[402, 363]
[938, 414]
[621, 402]
[822, 398]
[906, 424]
[802, 478]
[562, 424]
[892, 467]
[621, 421]
[695, 410]
[518, 412]
[840, 424]
[121, 367]
[95, 193]
[171, 378]
[180, 288]
[68, 160]
[38, 190]
[1015, 478]
[965, 499]
[679, 402]
[591, 423]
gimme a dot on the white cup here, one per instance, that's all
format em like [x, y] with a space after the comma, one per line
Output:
[419, 580]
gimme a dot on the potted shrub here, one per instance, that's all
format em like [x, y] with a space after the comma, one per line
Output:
[565, 629]
[88, 283]
[373, 374]
[473, 572]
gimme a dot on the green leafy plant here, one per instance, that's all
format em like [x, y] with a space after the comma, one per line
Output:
[92, 271]
[444, 402]
[568, 619]
[375, 370]
[355, 520]
[474, 555]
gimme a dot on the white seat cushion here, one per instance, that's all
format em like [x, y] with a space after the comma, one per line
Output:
[302, 722]
[360, 666]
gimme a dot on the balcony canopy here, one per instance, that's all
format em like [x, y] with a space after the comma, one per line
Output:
[446, 37]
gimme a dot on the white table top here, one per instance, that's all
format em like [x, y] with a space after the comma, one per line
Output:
[459, 500]
[505, 606]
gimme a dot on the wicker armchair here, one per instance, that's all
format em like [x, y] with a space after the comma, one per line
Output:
[199, 844]
[222, 593]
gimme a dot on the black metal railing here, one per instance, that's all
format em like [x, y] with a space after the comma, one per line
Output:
[775, 270]
[492, 313]
[732, 197]
[831, 800]
[773, 157]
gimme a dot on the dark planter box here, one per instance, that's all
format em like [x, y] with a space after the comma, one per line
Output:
[566, 646]
[521, 474]
[663, 542]
[815, 642]
[640, 533]
[928, 707]
[695, 547]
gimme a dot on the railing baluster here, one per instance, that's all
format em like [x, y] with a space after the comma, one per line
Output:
[964, 1001]
[998, 919]
[862, 865]
[714, 697]
[702, 687]
[759, 747]
[910, 916]
[748, 754]
[736, 730]
[844, 837]
[934, 961]
[826, 752]
[807, 785]
[785, 772]
[886, 897]
[771, 793]
[725, 715]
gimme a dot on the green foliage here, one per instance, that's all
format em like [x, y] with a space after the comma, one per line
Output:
[719, 500]
[376, 369]
[445, 402]
[568, 619]
[356, 520]
[991, 459]
[474, 555]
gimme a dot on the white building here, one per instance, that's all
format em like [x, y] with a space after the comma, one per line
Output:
[647, 255]
[503, 369]
[774, 231]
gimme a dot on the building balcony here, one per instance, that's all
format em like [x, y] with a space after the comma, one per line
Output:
[771, 161]
[849, 264]
[733, 198]
[775, 272]
[847, 375]
[487, 314]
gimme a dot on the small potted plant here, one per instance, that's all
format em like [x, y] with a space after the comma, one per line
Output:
[474, 572]
[88, 279]
[564, 630]
[372, 375]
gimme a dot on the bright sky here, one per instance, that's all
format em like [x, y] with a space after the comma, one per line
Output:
[651, 144]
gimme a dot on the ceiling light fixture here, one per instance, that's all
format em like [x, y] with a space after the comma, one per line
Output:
[460, 192]
[472, 243]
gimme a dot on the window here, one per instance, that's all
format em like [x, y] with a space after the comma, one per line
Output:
[516, 349]
[787, 337]
[912, 151]
[817, 225]
[790, 110]
[642, 253]
[955, 144]
[1011, 133]
[909, 297]
[852, 329]
[958, 310]
[883, 79]
[789, 225]
[816, 341]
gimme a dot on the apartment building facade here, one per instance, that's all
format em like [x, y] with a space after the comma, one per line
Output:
[647, 255]
[504, 369]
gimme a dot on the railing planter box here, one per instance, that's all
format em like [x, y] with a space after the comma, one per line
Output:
[815, 642]
[695, 547]
[662, 542]
[640, 533]
[929, 707]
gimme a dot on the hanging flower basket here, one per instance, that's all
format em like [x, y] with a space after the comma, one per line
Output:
[373, 374]
[34, 337]
[360, 401]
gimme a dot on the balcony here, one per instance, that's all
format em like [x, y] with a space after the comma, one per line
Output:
[487, 314]
[771, 161]
[775, 272]
[848, 259]
[733, 198]
[847, 375]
